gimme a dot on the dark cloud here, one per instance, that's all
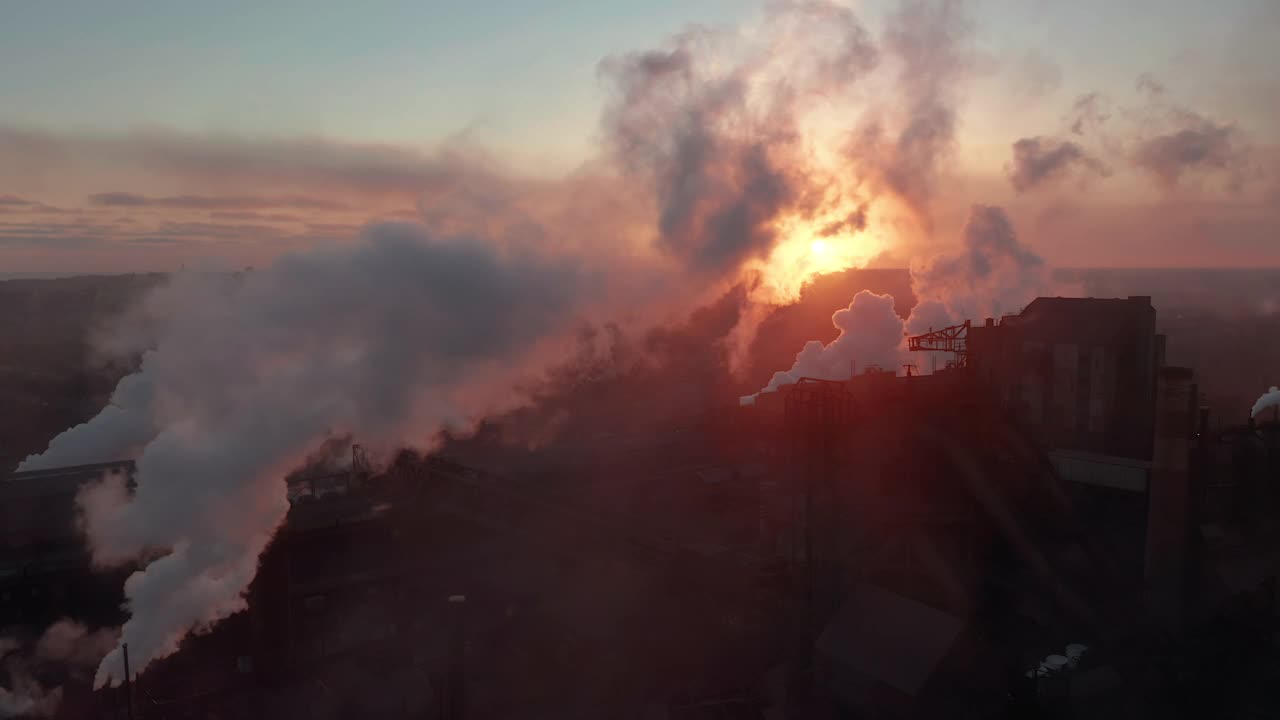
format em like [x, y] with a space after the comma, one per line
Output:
[13, 203]
[50, 242]
[1038, 160]
[255, 216]
[207, 202]
[215, 230]
[44, 228]
[716, 137]
[231, 162]
[717, 190]
[1200, 148]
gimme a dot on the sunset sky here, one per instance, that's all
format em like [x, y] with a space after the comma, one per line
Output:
[148, 135]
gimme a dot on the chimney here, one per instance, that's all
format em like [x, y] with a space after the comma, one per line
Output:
[991, 322]
[455, 691]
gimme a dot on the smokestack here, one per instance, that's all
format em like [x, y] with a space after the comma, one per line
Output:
[128, 682]
[454, 706]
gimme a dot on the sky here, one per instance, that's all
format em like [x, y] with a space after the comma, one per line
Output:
[151, 135]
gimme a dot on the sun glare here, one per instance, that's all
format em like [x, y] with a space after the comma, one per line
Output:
[813, 245]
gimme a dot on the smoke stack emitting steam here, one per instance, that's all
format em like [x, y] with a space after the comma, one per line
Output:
[1269, 399]
[419, 327]
[992, 273]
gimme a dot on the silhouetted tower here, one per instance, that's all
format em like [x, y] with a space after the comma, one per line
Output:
[453, 705]
[818, 413]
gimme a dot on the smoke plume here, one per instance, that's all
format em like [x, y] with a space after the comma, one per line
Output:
[392, 339]
[992, 274]
[1199, 147]
[870, 334]
[711, 178]
[67, 647]
[1269, 399]
[928, 41]
[1037, 160]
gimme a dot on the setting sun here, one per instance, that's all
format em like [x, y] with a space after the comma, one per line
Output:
[827, 241]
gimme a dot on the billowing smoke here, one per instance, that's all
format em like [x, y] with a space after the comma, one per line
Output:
[67, 647]
[1200, 147]
[1269, 399]
[711, 171]
[393, 339]
[713, 127]
[928, 41]
[870, 334]
[1038, 160]
[1168, 142]
[992, 274]
[718, 189]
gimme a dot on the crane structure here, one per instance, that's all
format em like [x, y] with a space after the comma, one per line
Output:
[953, 339]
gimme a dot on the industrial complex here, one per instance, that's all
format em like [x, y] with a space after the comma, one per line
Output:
[1050, 523]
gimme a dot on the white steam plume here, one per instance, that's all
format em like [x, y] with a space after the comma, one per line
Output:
[870, 334]
[392, 339]
[1269, 399]
[66, 645]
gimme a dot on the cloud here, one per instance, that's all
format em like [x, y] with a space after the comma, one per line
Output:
[718, 191]
[57, 242]
[12, 200]
[1202, 147]
[1038, 160]
[261, 217]
[204, 202]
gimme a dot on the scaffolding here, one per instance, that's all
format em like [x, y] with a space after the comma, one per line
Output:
[953, 339]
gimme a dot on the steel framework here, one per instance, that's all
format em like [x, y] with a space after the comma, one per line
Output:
[954, 340]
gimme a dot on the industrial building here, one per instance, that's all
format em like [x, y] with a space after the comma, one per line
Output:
[1048, 524]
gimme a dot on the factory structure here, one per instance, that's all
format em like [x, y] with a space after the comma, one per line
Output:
[1050, 523]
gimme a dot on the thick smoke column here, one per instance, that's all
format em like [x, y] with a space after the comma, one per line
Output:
[392, 339]
[1269, 399]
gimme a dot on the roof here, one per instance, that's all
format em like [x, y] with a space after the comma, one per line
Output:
[59, 480]
[1093, 320]
[890, 638]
